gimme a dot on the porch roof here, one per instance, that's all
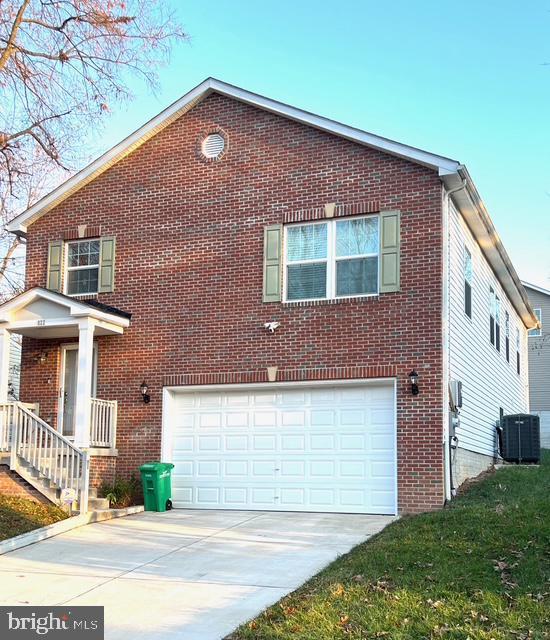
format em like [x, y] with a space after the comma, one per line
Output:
[40, 313]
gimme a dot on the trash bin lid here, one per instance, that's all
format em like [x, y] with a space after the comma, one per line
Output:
[156, 466]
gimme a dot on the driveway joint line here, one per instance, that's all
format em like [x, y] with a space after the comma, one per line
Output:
[210, 582]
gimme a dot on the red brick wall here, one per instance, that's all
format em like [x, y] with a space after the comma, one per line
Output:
[102, 469]
[189, 268]
[12, 484]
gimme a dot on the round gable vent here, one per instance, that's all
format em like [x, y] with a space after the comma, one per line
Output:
[213, 146]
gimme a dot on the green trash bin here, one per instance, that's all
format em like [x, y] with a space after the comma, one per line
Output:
[157, 485]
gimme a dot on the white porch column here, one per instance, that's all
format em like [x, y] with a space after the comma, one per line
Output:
[84, 383]
[5, 344]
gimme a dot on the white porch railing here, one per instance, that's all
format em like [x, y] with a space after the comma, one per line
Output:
[6, 417]
[103, 423]
[33, 442]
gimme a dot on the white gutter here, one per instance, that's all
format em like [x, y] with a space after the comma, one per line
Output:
[470, 205]
[447, 193]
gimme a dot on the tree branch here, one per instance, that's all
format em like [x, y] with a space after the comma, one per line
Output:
[13, 34]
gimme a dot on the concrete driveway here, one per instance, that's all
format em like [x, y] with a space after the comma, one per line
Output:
[181, 574]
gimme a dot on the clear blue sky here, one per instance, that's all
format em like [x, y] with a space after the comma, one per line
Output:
[466, 80]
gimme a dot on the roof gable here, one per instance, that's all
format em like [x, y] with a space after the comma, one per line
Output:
[20, 223]
[43, 303]
[454, 175]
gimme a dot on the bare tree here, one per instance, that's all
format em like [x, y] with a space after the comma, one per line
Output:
[12, 249]
[62, 64]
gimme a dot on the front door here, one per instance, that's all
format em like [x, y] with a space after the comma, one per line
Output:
[69, 359]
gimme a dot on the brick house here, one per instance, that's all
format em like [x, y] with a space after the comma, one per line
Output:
[244, 288]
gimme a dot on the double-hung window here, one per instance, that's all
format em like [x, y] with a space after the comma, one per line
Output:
[82, 267]
[536, 333]
[467, 283]
[332, 259]
[494, 319]
[507, 332]
[518, 351]
[497, 323]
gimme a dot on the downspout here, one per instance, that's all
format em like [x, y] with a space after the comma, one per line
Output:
[447, 443]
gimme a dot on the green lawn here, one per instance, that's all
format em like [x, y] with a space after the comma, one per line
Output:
[479, 569]
[19, 515]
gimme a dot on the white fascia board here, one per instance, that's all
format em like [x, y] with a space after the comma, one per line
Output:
[22, 300]
[477, 218]
[534, 287]
[19, 224]
[101, 316]
[440, 163]
[75, 308]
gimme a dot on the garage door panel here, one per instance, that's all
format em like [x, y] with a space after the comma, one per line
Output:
[294, 498]
[307, 449]
[285, 471]
[381, 442]
[375, 444]
[209, 443]
[236, 419]
[293, 397]
[236, 443]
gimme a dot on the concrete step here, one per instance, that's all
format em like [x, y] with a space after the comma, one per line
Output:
[39, 482]
[46, 482]
[92, 492]
[97, 503]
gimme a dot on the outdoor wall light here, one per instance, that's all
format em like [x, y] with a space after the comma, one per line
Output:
[413, 377]
[41, 357]
[144, 389]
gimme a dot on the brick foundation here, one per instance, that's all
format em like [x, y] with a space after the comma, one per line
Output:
[11, 484]
[102, 469]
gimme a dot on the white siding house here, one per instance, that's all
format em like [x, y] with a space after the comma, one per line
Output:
[489, 375]
[539, 361]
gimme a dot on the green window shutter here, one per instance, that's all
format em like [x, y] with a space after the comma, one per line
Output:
[55, 265]
[390, 239]
[272, 262]
[107, 265]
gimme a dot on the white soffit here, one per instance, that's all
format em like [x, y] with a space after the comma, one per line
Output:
[470, 205]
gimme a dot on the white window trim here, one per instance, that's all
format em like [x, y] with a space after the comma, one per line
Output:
[539, 334]
[518, 353]
[468, 253]
[330, 259]
[507, 336]
[79, 268]
[493, 296]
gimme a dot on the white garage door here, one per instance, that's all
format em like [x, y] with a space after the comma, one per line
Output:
[293, 448]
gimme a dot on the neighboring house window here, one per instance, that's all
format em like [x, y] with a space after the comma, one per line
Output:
[467, 283]
[332, 259]
[535, 333]
[82, 267]
[494, 319]
[507, 331]
[518, 356]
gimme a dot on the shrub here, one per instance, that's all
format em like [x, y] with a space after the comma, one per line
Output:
[122, 492]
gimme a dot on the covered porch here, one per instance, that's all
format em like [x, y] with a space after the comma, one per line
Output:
[87, 421]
